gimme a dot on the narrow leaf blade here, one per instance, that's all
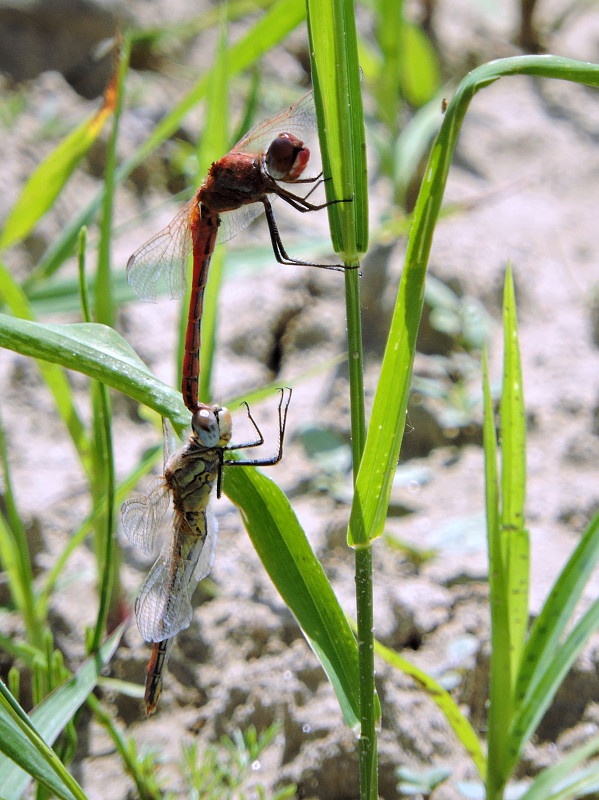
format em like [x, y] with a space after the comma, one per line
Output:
[25, 742]
[296, 572]
[49, 178]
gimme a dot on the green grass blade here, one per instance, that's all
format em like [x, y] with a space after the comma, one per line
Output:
[538, 700]
[49, 178]
[96, 351]
[514, 536]
[296, 572]
[500, 707]
[549, 626]
[25, 741]
[338, 98]
[104, 489]
[385, 432]
[103, 291]
[13, 295]
[445, 703]
[548, 781]
[14, 553]
[337, 95]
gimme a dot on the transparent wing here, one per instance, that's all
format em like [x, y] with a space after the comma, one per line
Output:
[142, 516]
[163, 607]
[162, 260]
[231, 222]
[206, 557]
[171, 441]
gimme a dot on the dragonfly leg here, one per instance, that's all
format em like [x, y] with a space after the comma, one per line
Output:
[301, 203]
[281, 254]
[264, 462]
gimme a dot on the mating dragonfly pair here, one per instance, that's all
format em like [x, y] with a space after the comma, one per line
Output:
[235, 192]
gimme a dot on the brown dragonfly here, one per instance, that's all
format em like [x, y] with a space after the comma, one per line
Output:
[163, 606]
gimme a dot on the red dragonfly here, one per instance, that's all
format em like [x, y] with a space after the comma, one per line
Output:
[163, 607]
[234, 193]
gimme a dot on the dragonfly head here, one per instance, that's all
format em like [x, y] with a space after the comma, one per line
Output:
[211, 425]
[286, 158]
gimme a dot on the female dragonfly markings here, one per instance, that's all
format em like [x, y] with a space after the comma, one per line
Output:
[234, 193]
[163, 607]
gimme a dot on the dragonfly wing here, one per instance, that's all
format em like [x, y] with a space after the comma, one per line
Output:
[231, 222]
[206, 557]
[171, 441]
[163, 607]
[162, 260]
[142, 516]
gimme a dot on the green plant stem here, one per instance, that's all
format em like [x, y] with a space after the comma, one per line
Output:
[129, 757]
[363, 555]
[356, 366]
[368, 703]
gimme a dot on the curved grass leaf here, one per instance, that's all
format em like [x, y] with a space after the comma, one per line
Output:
[26, 741]
[298, 575]
[96, 351]
[373, 488]
[444, 701]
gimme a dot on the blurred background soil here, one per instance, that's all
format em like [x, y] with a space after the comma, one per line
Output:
[524, 189]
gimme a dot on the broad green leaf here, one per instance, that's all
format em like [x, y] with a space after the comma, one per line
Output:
[26, 741]
[373, 488]
[49, 178]
[296, 572]
[444, 701]
[96, 351]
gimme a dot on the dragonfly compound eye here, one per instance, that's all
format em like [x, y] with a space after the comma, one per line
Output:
[204, 424]
[224, 424]
[286, 157]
